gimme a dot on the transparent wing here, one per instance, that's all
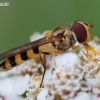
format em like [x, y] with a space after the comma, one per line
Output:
[33, 44]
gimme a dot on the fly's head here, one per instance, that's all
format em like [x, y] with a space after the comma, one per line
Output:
[67, 35]
[83, 35]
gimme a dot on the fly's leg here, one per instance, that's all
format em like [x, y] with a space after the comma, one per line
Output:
[54, 60]
[77, 47]
[89, 48]
[90, 58]
[43, 61]
[74, 48]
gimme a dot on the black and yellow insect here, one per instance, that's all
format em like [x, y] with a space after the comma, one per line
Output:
[57, 41]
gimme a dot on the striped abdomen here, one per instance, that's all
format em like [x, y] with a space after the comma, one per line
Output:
[19, 59]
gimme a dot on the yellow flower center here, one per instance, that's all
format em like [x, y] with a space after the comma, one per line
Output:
[36, 79]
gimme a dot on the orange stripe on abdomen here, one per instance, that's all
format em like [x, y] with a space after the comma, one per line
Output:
[5, 65]
[31, 54]
[18, 59]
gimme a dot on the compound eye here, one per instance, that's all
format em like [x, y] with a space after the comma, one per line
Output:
[80, 32]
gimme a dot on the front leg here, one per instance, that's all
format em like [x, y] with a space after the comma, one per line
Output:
[77, 47]
[89, 48]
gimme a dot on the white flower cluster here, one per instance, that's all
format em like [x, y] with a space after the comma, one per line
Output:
[90, 69]
[65, 83]
[33, 88]
[70, 80]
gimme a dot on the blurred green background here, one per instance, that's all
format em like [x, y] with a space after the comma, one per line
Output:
[22, 18]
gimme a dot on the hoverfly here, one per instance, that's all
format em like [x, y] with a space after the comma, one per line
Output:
[57, 41]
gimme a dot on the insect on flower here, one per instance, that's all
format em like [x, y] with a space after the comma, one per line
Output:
[58, 41]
